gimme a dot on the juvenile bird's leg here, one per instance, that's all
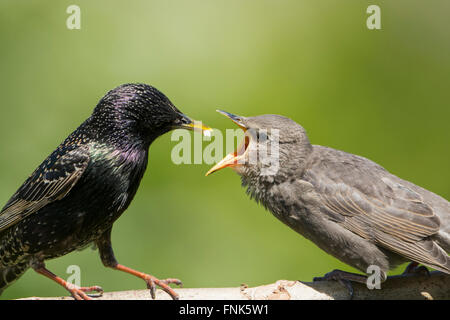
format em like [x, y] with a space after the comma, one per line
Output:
[78, 293]
[344, 278]
[108, 259]
[414, 268]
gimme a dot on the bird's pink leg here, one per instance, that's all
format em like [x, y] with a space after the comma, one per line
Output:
[152, 282]
[78, 293]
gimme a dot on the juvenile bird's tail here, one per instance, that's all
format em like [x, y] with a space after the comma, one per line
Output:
[10, 274]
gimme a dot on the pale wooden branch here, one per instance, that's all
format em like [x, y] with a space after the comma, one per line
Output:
[436, 286]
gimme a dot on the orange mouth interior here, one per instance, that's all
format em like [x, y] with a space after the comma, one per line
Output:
[233, 159]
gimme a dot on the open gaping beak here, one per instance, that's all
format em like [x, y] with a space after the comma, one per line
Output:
[189, 124]
[232, 159]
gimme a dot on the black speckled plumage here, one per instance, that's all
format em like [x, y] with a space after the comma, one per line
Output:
[73, 198]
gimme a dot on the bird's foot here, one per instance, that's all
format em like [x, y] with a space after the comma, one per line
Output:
[152, 282]
[79, 293]
[414, 269]
[343, 277]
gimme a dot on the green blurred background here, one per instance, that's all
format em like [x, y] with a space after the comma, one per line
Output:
[382, 94]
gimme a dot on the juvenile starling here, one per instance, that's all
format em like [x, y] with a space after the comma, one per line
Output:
[349, 206]
[73, 198]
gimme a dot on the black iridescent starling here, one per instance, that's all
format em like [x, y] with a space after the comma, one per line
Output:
[73, 198]
[349, 206]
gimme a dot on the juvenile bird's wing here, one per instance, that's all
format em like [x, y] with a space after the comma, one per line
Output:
[365, 199]
[51, 181]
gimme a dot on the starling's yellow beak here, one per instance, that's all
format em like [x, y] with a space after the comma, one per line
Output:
[198, 127]
[232, 159]
[189, 124]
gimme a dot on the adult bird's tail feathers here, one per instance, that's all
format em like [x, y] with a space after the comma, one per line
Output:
[10, 274]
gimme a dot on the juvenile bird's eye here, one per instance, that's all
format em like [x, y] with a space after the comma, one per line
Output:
[261, 136]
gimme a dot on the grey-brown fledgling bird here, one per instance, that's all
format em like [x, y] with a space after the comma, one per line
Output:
[349, 206]
[73, 198]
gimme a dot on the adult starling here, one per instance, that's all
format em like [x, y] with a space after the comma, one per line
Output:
[73, 198]
[349, 206]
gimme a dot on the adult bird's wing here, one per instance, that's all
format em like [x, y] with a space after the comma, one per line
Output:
[365, 199]
[51, 181]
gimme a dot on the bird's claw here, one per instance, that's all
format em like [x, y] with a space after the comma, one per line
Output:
[344, 278]
[79, 293]
[152, 282]
[414, 269]
[423, 270]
